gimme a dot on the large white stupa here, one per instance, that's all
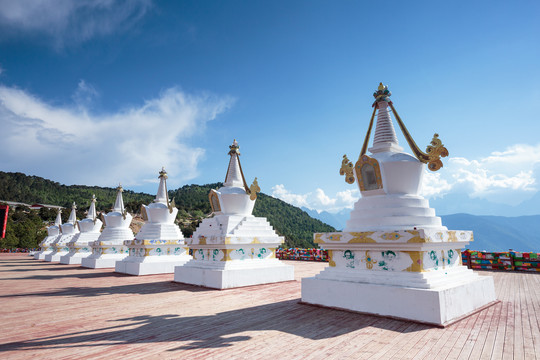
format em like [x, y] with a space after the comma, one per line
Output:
[53, 232]
[109, 247]
[79, 246]
[394, 257]
[234, 248]
[69, 230]
[159, 246]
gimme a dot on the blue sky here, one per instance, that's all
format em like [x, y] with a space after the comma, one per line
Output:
[101, 92]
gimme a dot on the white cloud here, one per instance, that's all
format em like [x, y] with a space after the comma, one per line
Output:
[434, 185]
[508, 177]
[279, 191]
[85, 94]
[70, 20]
[72, 145]
[317, 200]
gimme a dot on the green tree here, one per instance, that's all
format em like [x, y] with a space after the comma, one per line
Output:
[10, 241]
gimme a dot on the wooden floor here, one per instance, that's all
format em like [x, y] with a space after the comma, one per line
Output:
[53, 311]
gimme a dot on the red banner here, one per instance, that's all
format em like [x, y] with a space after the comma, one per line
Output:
[3, 220]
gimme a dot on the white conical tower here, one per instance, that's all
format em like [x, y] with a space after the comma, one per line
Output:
[58, 220]
[234, 177]
[109, 247]
[72, 215]
[162, 196]
[69, 230]
[159, 246]
[92, 211]
[119, 202]
[233, 248]
[53, 232]
[79, 246]
[394, 251]
[234, 196]
[385, 138]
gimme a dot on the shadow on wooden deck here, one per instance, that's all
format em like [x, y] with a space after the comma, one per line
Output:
[141, 289]
[217, 331]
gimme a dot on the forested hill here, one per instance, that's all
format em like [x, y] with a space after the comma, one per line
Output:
[192, 201]
[34, 189]
[289, 221]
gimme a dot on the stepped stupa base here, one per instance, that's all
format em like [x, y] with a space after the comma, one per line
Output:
[226, 276]
[105, 255]
[164, 264]
[437, 306]
[76, 254]
[40, 255]
[147, 257]
[410, 274]
[76, 258]
[102, 262]
[55, 257]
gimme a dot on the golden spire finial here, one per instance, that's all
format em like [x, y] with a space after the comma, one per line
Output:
[382, 94]
[163, 173]
[234, 148]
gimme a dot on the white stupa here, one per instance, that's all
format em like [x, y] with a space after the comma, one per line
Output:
[234, 248]
[159, 246]
[53, 232]
[109, 247]
[79, 246]
[69, 230]
[394, 257]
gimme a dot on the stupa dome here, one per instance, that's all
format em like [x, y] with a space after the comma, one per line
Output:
[70, 226]
[235, 197]
[91, 223]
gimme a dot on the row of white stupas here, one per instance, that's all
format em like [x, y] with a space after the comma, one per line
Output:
[394, 258]
[233, 248]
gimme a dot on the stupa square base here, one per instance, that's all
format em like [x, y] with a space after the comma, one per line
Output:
[41, 255]
[101, 262]
[70, 259]
[150, 265]
[195, 273]
[438, 306]
[54, 257]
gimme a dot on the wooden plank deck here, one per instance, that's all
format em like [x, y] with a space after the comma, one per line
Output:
[58, 311]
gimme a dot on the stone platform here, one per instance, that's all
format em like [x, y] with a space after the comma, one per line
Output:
[79, 248]
[234, 266]
[104, 255]
[152, 257]
[410, 274]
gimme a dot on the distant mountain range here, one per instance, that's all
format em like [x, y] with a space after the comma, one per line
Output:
[491, 233]
[498, 233]
[459, 203]
[337, 220]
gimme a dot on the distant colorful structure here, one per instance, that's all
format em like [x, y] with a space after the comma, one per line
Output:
[4, 210]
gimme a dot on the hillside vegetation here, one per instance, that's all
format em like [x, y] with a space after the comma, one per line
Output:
[191, 200]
